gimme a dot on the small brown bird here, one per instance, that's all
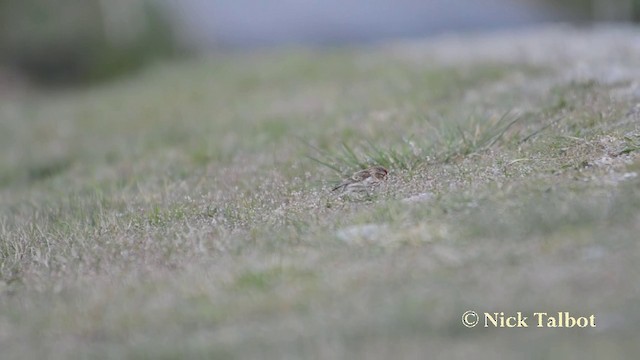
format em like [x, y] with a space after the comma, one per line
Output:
[363, 180]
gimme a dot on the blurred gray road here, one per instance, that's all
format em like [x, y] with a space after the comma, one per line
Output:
[262, 22]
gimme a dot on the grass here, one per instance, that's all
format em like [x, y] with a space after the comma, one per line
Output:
[445, 142]
[187, 212]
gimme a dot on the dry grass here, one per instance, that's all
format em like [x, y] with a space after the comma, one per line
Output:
[181, 214]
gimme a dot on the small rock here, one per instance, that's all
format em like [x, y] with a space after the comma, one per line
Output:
[418, 198]
[593, 253]
[363, 233]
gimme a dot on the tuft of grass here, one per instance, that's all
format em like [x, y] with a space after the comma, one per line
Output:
[475, 135]
[347, 159]
[446, 140]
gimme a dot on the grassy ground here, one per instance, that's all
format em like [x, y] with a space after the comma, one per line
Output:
[186, 213]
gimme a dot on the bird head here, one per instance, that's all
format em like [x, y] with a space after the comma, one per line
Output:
[379, 172]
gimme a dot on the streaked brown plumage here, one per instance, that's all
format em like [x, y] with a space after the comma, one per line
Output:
[363, 180]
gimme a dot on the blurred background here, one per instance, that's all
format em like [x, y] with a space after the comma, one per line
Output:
[53, 42]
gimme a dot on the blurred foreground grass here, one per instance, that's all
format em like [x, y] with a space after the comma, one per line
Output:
[180, 214]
